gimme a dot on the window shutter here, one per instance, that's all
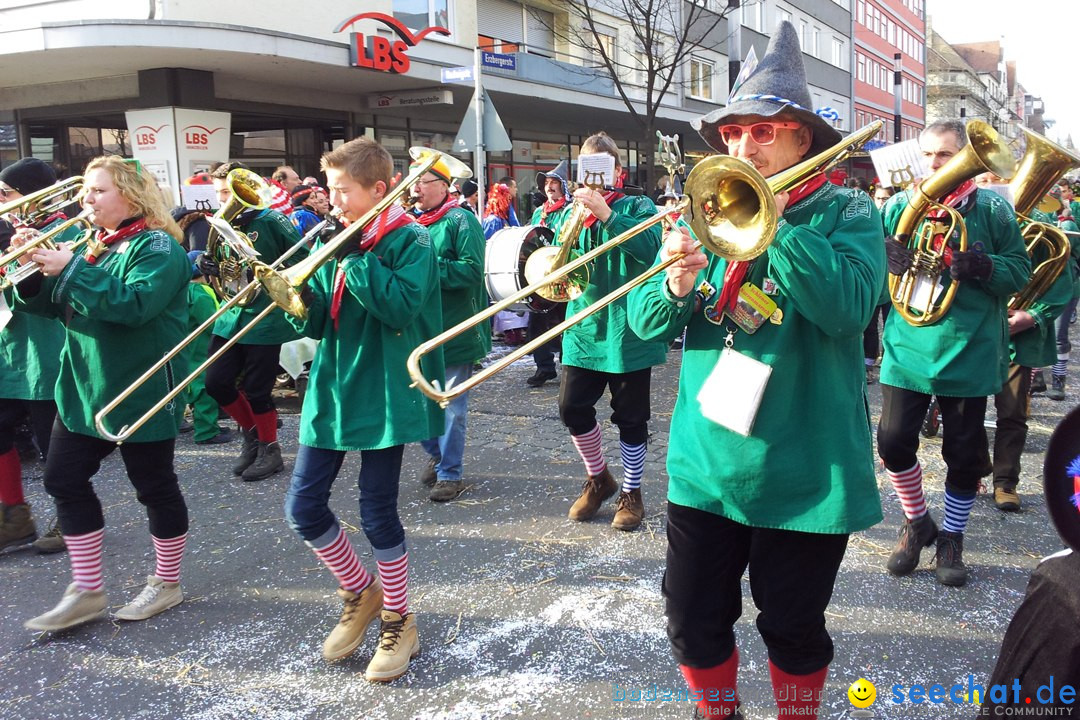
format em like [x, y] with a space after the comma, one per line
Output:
[500, 19]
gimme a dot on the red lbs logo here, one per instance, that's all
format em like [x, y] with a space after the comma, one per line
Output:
[146, 136]
[197, 137]
[380, 53]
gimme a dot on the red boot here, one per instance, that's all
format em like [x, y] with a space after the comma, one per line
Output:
[719, 698]
[797, 696]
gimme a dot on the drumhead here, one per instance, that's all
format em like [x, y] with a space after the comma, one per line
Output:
[504, 264]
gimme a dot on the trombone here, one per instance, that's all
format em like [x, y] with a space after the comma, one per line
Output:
[46, 241]
[729, 206]
[283, 289]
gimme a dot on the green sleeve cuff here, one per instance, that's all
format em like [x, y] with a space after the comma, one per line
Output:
[64, 283]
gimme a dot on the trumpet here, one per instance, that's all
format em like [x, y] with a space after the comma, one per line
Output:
[283, 289]
[36, 207]
[731, 209]
[44, 241]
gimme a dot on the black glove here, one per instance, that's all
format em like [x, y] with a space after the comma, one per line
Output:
[208, 266]
[898, 254]
[971, 266]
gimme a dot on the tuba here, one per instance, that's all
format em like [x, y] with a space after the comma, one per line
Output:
[233, 253]
[984, 152]
[1043, 163]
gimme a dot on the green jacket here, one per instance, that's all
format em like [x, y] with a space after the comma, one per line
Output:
[603, 341]
[272, 235]
[30, 347]
[553, 221]
[1037, 346]
[459, 245]
[202, 303]
[965, 354]
[358, 395]
[1074, 258]
[808, 464]
[125, 314]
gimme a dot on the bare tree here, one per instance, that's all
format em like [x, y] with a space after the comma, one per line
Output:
[663, 34]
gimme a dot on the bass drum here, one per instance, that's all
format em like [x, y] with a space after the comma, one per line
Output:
[504, 265]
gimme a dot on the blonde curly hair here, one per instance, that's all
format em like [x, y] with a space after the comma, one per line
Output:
[139, 188]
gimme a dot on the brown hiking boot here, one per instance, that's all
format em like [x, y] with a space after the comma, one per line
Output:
[950, 559]
[594, 491]
[248, 451]
[1006, 500]
[16, 526]
[914, 536]
[629, 510]
[398, 644]
[359, 610]
[267, 462]
[428, 476]
[52, 541]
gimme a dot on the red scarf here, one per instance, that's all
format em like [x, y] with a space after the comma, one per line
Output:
[435, 214]
[102, 241]
[389, 220]
[736, 271]
[550, 207]
[610, 199]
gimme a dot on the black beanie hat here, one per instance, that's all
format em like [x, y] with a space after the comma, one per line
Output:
[28, 175]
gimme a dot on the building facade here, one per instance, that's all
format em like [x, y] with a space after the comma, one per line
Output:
[885, 29]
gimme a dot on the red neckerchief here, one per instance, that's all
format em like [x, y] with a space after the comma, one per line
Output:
[610, 199]
[550, 207]
[432, 216]
[42, 224]
[389, 220]
[102, 240]
[954, 200]
[736, 271]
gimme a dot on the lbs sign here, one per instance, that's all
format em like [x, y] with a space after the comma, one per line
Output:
[380, 53]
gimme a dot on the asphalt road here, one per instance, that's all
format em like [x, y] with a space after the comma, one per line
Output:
[521, 612]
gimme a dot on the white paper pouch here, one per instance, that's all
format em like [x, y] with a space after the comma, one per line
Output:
[732, 393]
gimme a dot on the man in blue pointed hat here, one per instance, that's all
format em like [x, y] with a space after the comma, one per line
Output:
[757, 479]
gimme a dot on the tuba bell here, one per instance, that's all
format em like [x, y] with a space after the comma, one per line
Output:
[1043, 163]
[927, 237]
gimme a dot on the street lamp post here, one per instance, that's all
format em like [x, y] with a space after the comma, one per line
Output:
[898, 74]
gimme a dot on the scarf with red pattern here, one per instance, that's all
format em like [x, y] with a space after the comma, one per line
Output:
[736, 271]
[435, 214]
[389, 220]
[550, 207]
[102, 240]
[610, 198]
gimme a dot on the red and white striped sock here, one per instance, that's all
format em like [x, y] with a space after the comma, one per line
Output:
[169, 552]
[909, 488]
[590, 448]
[395, 583]
[84, 552]
[342, 561]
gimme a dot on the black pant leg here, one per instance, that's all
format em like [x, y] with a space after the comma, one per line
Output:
[579, 392]
[221, 376]
[260, 372]
[150, 470]
[902, 414]
[1012, 403]
[630, 395]
[702, 587]
[792, 575]
[72, 461]
[42, 417]
[964, 444]
[12, 412]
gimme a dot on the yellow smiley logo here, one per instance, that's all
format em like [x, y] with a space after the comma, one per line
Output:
[862, 693]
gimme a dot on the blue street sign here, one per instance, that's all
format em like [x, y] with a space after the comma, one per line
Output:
[457, 74]
[500, 61]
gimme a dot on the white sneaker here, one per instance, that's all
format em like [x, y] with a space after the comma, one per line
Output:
[157, 597]
[75, 608]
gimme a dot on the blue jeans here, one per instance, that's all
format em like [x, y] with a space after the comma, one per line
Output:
[307, 503]
[449, 449]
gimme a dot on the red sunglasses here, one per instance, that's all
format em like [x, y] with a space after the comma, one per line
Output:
[763, 133]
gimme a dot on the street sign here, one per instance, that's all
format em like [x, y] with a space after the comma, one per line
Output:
[495, 137]
[499, 61]
[458, 75]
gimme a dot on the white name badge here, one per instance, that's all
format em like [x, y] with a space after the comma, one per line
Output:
[924, 293]
[732, 393]
[5, 312]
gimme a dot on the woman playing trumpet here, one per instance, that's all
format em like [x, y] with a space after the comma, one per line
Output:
[125, 301]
